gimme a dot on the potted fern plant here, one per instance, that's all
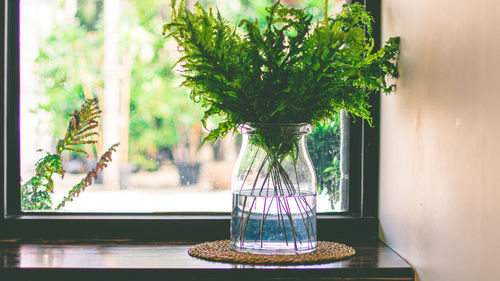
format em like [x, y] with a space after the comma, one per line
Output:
[272, 85]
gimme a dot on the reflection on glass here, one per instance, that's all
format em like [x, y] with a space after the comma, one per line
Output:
[113, 50]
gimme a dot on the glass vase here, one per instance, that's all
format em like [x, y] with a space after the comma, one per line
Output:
[274, 191]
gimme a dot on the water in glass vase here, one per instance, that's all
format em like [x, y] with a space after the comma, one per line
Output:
[269, 223]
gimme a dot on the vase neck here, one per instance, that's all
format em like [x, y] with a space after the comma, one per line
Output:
[284, 129]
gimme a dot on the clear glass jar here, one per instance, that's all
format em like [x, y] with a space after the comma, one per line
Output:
[274, 191]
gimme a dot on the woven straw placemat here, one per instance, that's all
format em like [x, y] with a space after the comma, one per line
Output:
[220, 251]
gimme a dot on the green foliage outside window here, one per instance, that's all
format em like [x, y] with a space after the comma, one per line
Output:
[324, 148]
[69, 68]
[36, 193]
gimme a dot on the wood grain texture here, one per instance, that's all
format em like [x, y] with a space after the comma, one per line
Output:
[135, 260]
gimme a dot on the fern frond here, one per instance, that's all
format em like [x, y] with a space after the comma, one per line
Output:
[81, 122]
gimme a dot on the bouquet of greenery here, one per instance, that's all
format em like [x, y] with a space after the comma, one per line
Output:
[293, 71]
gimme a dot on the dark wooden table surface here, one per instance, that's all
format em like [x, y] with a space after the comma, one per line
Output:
[132, 260]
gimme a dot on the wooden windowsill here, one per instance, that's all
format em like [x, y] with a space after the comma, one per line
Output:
[136, 260]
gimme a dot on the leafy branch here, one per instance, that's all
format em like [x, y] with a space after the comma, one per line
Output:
[36, 192]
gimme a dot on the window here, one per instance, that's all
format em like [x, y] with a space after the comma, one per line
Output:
[17, 107]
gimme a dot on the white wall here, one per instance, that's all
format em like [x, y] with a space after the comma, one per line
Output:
[440, 139]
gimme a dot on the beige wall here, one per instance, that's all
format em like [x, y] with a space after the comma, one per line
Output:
[440, 139]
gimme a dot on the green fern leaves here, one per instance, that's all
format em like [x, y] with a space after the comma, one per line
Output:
[292, 71]
[83, 125]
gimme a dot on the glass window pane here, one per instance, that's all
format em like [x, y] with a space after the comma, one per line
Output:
[113, 50]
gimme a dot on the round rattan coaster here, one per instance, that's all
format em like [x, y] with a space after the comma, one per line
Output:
[220, 251]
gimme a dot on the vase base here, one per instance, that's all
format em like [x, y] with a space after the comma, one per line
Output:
[274, 248]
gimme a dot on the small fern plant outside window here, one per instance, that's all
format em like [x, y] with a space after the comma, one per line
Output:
[36, 193]
[272, 84]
